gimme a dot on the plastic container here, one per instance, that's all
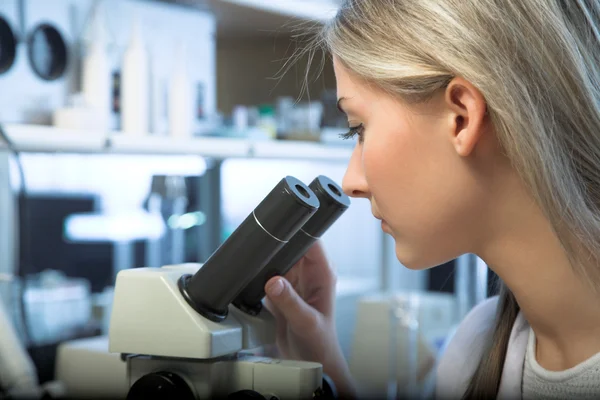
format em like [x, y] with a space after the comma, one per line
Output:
[96, 74]
[180, 96]
[135, 85]
[267, 121]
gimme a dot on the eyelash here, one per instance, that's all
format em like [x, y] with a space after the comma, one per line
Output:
[353, 131]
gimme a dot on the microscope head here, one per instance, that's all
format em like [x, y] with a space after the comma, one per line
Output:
[249, 248]
[333, 203]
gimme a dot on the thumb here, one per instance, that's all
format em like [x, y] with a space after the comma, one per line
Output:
[298, 314]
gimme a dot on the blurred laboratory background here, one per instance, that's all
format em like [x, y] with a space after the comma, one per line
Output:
[141, 133]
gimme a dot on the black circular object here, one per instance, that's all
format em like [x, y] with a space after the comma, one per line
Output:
[245, 394]
[334, 202]
[334, 189]
[302, 191]
[8, 46]
[160, 386]
[202, 309]
[329, 389]
[47, 52]
[288, 205]
[250, 299]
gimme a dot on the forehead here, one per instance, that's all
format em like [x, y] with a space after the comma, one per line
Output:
[345, 82]
[351, 87]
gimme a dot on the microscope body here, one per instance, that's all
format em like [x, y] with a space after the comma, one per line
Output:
[188, 331]
[169, 347]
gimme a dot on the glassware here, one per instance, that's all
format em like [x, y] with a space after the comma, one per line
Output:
[404, 342]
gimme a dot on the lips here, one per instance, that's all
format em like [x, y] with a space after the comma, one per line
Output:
[385, 227]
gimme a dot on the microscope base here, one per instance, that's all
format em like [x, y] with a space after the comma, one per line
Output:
[227, 377]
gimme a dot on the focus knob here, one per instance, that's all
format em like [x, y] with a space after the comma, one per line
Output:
[328, 391]
[160, 386]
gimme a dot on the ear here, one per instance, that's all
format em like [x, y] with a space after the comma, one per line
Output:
[468, 113]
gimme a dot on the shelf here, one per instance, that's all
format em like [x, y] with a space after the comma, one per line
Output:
[300, 150]
[33, 138]
[30, 138]
[204, 146]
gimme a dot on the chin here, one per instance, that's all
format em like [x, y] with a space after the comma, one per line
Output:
[416, 260]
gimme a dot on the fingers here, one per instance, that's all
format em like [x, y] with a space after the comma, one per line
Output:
[300, 316]
[314, 280]
[320, 282]
[273, 310]
[316, 253]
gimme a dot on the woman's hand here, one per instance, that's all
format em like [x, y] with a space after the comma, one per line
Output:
[303, 304]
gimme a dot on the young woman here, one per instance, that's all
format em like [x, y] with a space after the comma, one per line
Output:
[478, 131]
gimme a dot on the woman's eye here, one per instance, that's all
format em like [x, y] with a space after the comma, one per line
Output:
[353, 131]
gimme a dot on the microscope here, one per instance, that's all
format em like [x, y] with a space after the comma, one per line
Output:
[194, 331]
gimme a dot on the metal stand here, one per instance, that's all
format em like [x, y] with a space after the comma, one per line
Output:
[209, 199]
[470, 283]
[387, 281]
[123, 257]
[8, 229]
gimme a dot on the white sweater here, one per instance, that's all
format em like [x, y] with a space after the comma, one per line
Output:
[462, 355]
[577, 383]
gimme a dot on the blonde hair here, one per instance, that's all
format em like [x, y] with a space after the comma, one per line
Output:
[537, 63]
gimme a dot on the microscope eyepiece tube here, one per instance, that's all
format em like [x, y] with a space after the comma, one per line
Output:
[333, 204]
[249, 248]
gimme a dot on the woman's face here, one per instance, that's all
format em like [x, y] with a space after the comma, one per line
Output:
[415, 166]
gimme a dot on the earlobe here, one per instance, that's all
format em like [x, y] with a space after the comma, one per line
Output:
[468, 112]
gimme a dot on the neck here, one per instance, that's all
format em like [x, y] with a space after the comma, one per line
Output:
[561, 309]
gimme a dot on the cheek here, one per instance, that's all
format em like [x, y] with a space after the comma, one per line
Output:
[391, 158]
[418, 186]
[396, 164]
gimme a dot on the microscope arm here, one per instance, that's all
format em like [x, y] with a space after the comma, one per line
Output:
[17, 372]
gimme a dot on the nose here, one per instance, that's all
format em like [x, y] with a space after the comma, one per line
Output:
[354, 183]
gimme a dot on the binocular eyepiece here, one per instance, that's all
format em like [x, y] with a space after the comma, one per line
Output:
[269, 242]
